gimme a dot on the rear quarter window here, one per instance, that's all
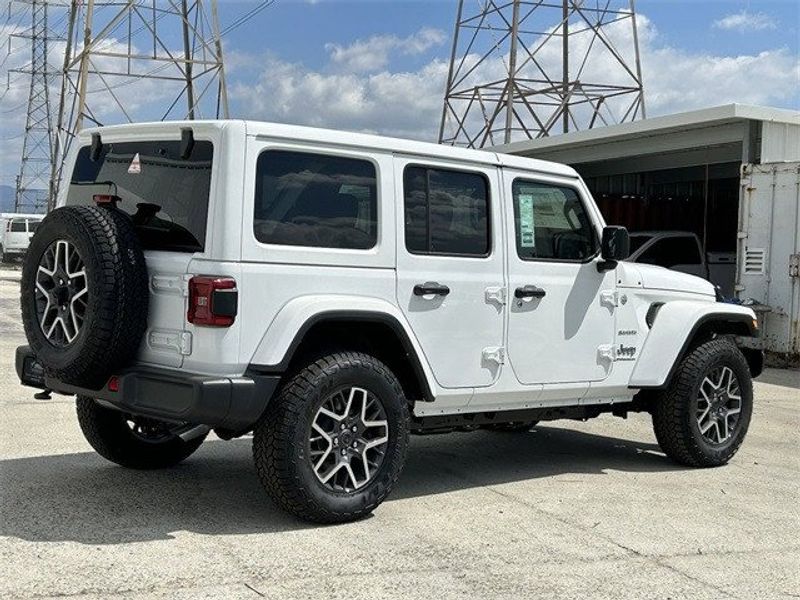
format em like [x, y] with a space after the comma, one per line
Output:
[315, 200]
[166, 196]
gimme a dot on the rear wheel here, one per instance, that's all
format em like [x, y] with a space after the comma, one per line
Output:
[133, 441]
[702, 418]
[333, 442]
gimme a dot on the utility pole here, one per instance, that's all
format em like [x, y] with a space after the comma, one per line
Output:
[123, 59]
[33, 180]
[524, 69]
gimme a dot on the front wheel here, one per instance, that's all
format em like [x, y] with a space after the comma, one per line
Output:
[702, 417]
[332, 443]
[133, 441]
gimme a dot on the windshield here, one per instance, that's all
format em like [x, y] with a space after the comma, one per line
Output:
[165, 195]
[639, 240]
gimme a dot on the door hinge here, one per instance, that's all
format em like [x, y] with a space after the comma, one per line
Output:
[609, 298]
[606, 351]
[496, 294]
[171, 284]
[177, 341]
[495, 354]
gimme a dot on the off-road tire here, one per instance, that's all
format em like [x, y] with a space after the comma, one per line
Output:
[674, 410]
[279, 439]
[116, 315]
[107, 431]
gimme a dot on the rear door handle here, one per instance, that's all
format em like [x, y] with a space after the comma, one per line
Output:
[529, 291]
[431, 288]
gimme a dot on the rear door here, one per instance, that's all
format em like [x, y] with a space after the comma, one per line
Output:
[167, 197]
[450, 267]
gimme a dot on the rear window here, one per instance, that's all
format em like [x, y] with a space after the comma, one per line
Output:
[165, 195]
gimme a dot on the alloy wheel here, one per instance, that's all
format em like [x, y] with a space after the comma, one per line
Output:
[62, 292]
[348, 439]
[719, 405]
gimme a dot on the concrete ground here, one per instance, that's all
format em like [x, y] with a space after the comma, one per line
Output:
[569, 510]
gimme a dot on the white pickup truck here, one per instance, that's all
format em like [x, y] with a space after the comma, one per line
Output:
[333, 292]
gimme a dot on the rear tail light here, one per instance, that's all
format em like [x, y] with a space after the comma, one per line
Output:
[213, 301]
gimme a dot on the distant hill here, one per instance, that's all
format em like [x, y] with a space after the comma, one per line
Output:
[7, 195]
[6, 198]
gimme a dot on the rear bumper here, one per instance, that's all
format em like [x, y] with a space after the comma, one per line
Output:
[233, 403]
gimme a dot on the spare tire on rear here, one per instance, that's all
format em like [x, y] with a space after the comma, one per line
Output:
[84, 294]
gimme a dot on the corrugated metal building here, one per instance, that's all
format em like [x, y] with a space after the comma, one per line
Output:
[729, 174]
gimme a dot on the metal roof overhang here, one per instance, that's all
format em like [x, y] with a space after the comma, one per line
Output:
[713, 135]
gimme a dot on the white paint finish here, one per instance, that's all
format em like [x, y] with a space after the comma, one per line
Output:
[650, 128]
[659, 278]
[455, 329]
[769, 219]
[555, 339]
[673, 324]
[294, 314]
[552, 348]
[780, 142]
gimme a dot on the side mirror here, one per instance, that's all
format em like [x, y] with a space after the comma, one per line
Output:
[616, 246]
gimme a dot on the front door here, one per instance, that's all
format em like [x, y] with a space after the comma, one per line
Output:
[561, 308]
[450, 267]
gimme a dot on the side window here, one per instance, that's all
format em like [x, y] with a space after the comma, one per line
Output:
[551, 223]
[446, 212]
[17, 226]
[32, 226]
[305, 199]
[669, 252]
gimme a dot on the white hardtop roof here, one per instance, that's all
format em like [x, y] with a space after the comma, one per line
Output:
[656, 126]
[347, 139]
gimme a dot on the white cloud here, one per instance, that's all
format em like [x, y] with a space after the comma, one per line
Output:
[373, 53]
[408, 103]
[744, 21]
[405, 104]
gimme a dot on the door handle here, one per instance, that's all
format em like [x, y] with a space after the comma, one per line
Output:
[529, 291]
[431, 288]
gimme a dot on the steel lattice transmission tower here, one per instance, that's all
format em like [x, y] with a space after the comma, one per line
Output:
[138, 60]
[523, 69]
[33, 180]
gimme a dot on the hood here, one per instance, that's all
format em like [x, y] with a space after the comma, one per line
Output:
[659, 278]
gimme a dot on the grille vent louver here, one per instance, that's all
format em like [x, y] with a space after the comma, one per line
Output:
[754, 261]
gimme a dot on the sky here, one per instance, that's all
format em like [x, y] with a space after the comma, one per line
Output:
[381, 65]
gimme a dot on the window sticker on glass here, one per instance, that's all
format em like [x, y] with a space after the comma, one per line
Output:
[526, 238]
[136, 165]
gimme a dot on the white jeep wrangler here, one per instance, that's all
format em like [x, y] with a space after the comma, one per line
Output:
[333, 292]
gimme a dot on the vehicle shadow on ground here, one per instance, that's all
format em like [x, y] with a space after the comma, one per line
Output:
[82, 498]
[789, 378]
